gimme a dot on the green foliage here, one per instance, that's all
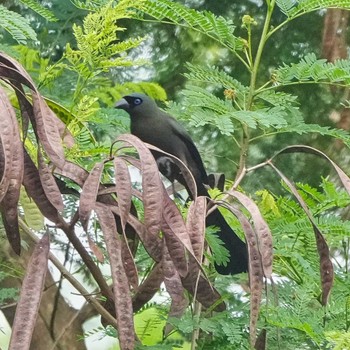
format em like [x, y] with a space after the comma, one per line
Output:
[97, 42]
[98, 51]
[216, 76]
[293, 316]
[313, 70]
[39, 9]
[202, 108]
[219, 331]
[149, 324]
[274, 112]
[90, 5]
[268, 203]
[266, 110]
[7, 294]
[293, 8]
[206, 23]
[32, 214]
[240, 109]
[31, 59]
[338, 340]
[276, 98]
[301, 128]
[219, 253]
[285, 5]
[301, 315]
[222, 101]
[17, 26]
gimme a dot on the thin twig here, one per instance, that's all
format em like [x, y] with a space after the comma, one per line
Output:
[195, 333]
[88, 261]
[64, 329]
[68, 276]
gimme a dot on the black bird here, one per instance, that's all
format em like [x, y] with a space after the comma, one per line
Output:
[152, 125]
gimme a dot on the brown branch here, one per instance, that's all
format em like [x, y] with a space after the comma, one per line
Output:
[68, 276]
[90, 264]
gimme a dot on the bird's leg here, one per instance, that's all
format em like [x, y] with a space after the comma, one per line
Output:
[169, 169]
[176, 194]
[216, 180]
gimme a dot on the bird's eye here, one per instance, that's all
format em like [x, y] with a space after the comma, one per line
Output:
[137, 101]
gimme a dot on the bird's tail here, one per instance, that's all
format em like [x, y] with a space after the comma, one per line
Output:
[238, 261]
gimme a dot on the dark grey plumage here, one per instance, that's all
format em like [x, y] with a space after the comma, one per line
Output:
[154, 126]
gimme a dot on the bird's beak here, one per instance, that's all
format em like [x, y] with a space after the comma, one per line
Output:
[122, 104]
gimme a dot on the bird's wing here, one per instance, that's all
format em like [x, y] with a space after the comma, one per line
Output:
[181, 132]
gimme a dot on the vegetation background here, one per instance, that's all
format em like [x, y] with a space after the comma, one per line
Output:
[83, 56]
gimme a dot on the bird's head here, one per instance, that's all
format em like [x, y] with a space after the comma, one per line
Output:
[137, 104]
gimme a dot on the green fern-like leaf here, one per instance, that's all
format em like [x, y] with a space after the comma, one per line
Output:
[313, 70]
[202, 107]
[312, 192]
[8, 294]
[268, 203]
[51, 74]
[29, 58]
[274, 117]
[220, 253]
[226, 326]
[214, 75]
[85, 108]
[305, 6]
[295, 8]
[222, 122]
[302, 128]
[93, 332]
[98, 46]
[90, 5]
[217, 28]
[334, 228]
[41, 10]
[276, 98]
[108, 94]
[16, 25]
[295, 315]
[83, 140]
[336, 197]
[199, 97]
[339, 340]
[286, 6]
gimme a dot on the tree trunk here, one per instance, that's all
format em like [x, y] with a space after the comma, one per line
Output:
[334, 47]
